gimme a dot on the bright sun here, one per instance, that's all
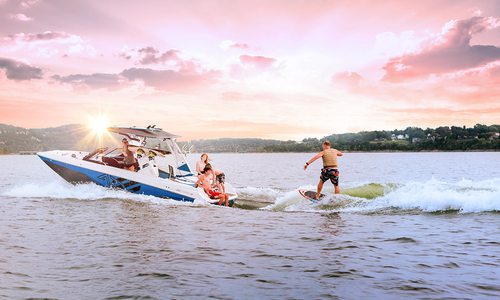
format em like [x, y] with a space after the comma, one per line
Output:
[98, 125]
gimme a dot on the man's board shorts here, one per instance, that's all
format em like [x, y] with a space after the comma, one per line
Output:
[330, 173]
[213, 193]
[221, 178]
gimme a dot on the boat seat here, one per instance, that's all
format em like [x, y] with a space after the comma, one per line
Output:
[116, 161]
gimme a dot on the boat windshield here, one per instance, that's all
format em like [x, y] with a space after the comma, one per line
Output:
[158, 144]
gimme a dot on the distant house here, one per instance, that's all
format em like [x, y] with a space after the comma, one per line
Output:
[494, 136]
[415, 140]
[399, 137]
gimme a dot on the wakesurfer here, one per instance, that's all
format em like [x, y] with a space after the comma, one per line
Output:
[330, 169]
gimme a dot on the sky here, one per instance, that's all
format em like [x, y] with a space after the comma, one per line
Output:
[269, 69]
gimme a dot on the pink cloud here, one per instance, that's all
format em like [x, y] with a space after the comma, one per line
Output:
[38, 37]
[94, 81]
[171, 80]
[451, 51]
[16, 70]
[20, 17]
[165, 80]
[29, 3]
[260, 62]
[47, 44]
[347, 79]
[186, 74]
[150, 55]
[228, 44]
[240, 46]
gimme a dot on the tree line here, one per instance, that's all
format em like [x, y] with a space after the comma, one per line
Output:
[444, 138]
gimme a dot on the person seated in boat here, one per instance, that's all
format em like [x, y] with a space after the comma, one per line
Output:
[129, 161]
[200, 165]
[220, 179]
[217, 177]
[204, 181]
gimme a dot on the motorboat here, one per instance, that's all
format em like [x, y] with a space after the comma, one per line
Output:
[163, 170]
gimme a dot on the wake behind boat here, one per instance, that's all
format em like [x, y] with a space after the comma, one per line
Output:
[163, 170]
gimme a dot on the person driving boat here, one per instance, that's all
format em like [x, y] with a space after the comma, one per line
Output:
[129, 161]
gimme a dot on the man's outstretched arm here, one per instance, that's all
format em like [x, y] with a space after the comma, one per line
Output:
[313, 159]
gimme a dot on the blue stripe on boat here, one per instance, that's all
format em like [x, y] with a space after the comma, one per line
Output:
[111, 181]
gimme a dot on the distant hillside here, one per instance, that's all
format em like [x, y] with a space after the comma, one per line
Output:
[72, 137]
[479, 137]
[14, 139]
[444, 138]
[232, 145]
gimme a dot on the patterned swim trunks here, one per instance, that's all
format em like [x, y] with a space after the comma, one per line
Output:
[330, 173]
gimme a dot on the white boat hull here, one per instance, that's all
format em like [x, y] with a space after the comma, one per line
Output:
[70, 166]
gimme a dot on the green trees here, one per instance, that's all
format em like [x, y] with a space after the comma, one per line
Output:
[444, 138]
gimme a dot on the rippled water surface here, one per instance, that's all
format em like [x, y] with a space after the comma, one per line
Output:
[433, 233]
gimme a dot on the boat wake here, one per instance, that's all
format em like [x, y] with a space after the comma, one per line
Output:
[89, 191]
[431, 196]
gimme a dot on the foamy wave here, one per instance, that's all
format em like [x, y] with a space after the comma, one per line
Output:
[292, 201]
[90, 191]
[432, 196]
[259, 193]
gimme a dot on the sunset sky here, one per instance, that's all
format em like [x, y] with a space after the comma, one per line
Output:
[270, 69]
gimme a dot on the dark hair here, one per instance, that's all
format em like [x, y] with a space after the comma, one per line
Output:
[208, 167]
[327, 143]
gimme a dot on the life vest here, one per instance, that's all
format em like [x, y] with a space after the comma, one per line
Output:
[330, 158]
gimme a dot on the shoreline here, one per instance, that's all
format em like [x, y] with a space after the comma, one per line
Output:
[344, 151]
[384, 151]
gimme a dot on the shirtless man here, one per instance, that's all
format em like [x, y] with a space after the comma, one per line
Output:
[204, 182]
[330, 167]
[129, 161]
[218, 178]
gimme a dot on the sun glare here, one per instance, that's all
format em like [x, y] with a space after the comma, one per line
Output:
[99, 125]
[98, 129]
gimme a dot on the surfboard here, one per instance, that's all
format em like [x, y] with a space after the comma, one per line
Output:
[310, 195]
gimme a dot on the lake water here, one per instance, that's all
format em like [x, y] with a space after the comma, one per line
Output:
[434, 234]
